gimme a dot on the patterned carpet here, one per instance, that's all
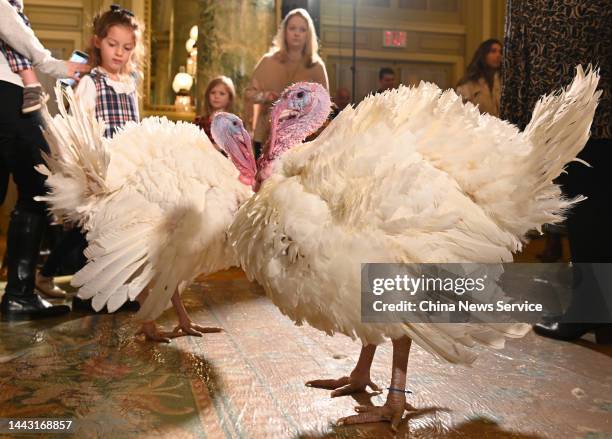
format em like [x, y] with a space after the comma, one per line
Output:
[248, 381]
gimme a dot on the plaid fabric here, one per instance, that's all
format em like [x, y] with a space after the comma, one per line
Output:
[17, 62]
[116, 109]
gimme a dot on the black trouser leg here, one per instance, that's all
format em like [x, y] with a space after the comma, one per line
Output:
[588, 231]
[72, 241]
[23, 242]
[590, 242]
[4, 181]
[21, 143]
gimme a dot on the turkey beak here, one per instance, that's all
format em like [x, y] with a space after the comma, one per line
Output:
[287, 114]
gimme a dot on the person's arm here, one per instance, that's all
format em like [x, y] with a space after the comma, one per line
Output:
[86, 93]
[255, 92]
[321, 76]
[255, 95]
[21, 38]
[466, 92]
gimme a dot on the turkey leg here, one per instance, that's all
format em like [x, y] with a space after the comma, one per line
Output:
[186, 326]
[395, 405]
[357, 381]
[149, 328]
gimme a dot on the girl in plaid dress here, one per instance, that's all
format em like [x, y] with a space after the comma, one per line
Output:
[109, 90]
[33, 96]
[115, 51]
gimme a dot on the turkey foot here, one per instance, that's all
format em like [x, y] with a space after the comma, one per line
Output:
[186, 326]
[368, 413]
[150, 331]
[395, 406]
[344, 386]
[358, 380]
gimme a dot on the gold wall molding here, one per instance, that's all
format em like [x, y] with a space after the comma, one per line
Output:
[60, 18]
[456, 61]
[53, 3]
[55, 35]
[339, 36]
[371, 38]
[440, 42]
[392, 14]
[393, 24]
[400, 56]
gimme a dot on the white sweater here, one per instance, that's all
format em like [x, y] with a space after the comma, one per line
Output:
[21, 38]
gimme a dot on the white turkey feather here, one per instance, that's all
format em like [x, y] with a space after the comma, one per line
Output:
[155, 201]
[78, 160]
[410, 176]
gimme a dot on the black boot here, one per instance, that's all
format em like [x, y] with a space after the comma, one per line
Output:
[19, 301]
[553, 248]
[572, 331]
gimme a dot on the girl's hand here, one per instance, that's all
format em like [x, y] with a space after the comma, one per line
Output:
[75, 69]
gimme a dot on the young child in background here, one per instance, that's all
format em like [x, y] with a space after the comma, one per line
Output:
[33, 96]
[219, 96]
[115, 52]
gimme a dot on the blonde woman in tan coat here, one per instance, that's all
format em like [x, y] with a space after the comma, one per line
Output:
[481, 84]
[292, 58]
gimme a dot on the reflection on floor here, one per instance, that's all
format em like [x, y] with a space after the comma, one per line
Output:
[247, 382]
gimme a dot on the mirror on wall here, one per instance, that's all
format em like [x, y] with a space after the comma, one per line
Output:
[192, 41]
[169, 33]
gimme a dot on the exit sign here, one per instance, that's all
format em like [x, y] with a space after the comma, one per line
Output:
[394, 38]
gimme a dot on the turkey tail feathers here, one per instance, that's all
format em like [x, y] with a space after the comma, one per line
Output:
[558, 130]
[560, 124]
[78, 160]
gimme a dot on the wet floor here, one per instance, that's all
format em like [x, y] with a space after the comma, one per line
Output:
[248, 381]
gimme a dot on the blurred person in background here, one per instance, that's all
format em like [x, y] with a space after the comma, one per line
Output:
[481, 84]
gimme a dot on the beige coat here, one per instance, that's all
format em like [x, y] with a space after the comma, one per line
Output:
[479, 93]
[273, 75]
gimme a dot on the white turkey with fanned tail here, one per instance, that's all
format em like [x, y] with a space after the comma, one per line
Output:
[409, 176]
[155, 201]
